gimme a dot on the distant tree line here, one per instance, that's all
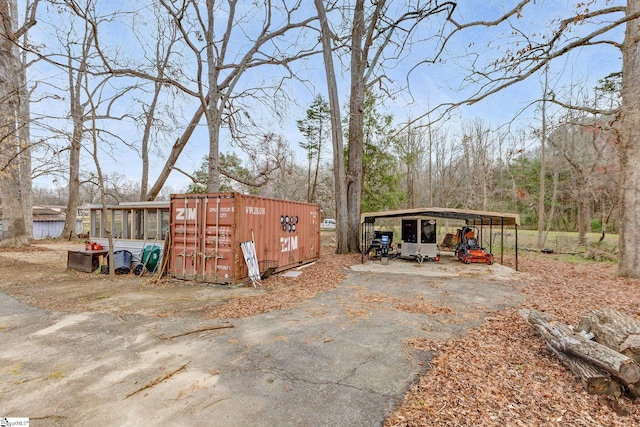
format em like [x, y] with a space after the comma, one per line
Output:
[83, 82]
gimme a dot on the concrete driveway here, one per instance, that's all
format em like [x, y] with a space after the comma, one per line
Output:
[339, 359]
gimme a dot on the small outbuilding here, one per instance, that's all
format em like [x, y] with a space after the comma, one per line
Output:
[134, 225]
[48, 222]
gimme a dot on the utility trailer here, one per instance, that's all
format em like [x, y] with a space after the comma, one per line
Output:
[419, 239]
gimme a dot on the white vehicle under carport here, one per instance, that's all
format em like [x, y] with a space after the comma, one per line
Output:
[419, 239]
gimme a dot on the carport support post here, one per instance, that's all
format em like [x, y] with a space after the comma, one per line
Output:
[502, 240]
[364, 228]
[363, 244]
[491, 235]
[516, 226]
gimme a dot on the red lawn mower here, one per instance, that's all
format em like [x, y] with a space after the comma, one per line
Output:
[468, 249]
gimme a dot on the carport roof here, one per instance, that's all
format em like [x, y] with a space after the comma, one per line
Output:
[485, 217]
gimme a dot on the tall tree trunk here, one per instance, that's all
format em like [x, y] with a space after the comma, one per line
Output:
[314, 187]
[309, 161]
[176, 150]
[73, 202]
[76, 76]
[24, 134]
[356, 126]
[146, 137]
[161, 64]
[108, 223]
[430, 170]
[75, 145]
[552, 209]
[213, 112]
[629, 256]
[13, 217]
[336, 133]
[214, 120]
[543, 164]
[584, 209]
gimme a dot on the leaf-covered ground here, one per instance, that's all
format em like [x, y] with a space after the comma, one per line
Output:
[321, 276]
[502, 374]
[498, 374]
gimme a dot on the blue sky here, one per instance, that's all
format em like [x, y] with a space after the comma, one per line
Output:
[431, 85]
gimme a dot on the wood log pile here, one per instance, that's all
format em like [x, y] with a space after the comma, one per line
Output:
[603, 351]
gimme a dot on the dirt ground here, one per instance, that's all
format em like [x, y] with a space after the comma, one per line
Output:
[499, 372]
[80, 349]
[39, 277]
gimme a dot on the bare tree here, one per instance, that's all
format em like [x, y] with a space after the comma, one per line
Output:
[77, 73]
[166, 36]
[339, 175]
[266, 157]
[543, 163]
[15, 163]
[25, 128]
[412, 149]
[75, 54]
[221, 71]
[578, 141]
[587, 26]
[477, 147]
[209, 67]
[380, 37]
[94, 133]
[446, 166]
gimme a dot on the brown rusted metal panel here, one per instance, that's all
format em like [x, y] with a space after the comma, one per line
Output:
[207, 229]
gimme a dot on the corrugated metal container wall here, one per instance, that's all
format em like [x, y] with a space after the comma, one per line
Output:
[207, 229]
[47, 229]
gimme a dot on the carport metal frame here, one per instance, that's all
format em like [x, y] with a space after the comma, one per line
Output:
[479, 219]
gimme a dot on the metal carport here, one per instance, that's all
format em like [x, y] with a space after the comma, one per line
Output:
[479, 219]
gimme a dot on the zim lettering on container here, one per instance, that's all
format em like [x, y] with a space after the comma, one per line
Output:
[289, 243]
[186, 214]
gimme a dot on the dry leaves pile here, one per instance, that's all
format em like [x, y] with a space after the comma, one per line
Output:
[322, 276]
[502, 373]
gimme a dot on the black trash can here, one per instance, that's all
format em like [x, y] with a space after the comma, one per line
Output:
[122, 262]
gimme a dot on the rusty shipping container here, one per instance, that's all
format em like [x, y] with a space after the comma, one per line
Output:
[207, 230]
